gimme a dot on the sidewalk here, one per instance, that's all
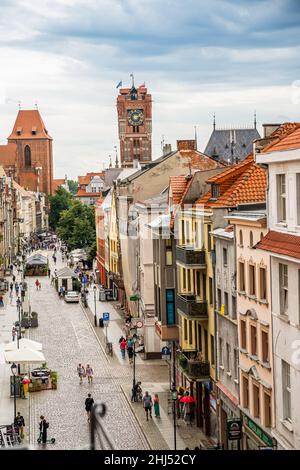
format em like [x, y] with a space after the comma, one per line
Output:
[8, 316]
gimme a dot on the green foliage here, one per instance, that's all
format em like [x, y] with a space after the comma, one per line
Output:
[76, 226]
[61, 201]
[92, 251]
[73, 186]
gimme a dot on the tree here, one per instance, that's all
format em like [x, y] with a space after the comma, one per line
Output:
[61, 201]
[76, 226]
[73, 186]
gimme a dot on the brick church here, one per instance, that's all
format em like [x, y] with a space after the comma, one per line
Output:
[28, 155]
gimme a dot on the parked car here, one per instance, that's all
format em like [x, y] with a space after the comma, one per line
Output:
[72, 296]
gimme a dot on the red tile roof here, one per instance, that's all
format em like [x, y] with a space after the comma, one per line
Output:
[281, 243]
[87, 178]
[178, 185]
[284, 138]
[26, 122]
[8, 154]
[198, 161]
[57, 183]
[241, 183]
[83, 193]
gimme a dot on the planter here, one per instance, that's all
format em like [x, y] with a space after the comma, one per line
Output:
[34, 323]
[25, 323]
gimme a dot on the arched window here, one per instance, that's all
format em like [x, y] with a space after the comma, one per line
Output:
[241, 238]
[251, 239]
[27, 153]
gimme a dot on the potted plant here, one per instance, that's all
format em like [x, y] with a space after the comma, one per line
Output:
[34, 319]
[53, 376]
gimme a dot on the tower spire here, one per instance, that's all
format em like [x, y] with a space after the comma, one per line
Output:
[255, 122]
[110, 163]
[195, 137]
[214, 122]
[132, 78]
[117, 161]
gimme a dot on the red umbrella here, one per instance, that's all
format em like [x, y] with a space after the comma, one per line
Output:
[187, 399]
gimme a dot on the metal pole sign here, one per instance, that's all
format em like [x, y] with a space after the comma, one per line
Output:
[165, 353]
[105, 316]
[234, 429]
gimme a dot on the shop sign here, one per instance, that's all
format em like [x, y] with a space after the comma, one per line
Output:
[234, 429]
[258, 431]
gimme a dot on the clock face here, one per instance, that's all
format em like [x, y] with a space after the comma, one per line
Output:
[135, 117]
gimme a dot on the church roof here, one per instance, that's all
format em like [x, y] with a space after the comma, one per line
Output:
[219, 144]
[29, 125]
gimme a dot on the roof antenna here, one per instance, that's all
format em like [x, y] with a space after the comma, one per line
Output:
[117, 161]
[255, 120]
[162, 142]
[110, 163]
[36, 106]
[195, 137]
[19, 104]
[214, 122]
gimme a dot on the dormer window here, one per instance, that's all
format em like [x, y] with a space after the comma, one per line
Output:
[19, 130]
[33, 131]
[215, 191]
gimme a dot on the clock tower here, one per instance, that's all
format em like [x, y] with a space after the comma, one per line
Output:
[134, 107]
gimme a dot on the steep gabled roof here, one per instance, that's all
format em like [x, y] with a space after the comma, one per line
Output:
[178, 185]
[242, 183]
[280, 243]
[286, 141]
[219, 144]
[27, 122]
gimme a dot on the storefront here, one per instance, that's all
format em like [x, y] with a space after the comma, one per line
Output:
[227, 409]
[254, 437]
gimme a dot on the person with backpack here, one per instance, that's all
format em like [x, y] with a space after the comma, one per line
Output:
[20, 423]
[147, 403]
[44, 425]
[89, 402]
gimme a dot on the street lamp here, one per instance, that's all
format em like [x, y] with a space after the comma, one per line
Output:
[19, 314]
[14, 369]
[174, 398]
[95, 317]
[134, 340]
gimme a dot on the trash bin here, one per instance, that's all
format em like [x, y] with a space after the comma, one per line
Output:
[101, 322]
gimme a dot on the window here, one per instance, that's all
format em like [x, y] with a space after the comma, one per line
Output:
[189, 287]
[286, 391]
[241, 238]
[182, 233]
[265, 346]
[253, 337]
[215, 191]
[221, 359]
[208, 237]
[267, 410]
[228, 357]
[233, 307]
[283, 288]
[236, 364]
[191, 332]
[169, 252]
[251, 279]
[224, 257]
[263, 284]
[185, 329]
[298, 197]
[136, 129]
[251, 239]
[210, 281]
[245, 388]
[226, 303]
[256, 403]
[243, 334]
[188, 233]
[27, 153]
[212, 350]
[242, 276]
[199, 337]
[170, 306]
[281, 198]
[184, 279]
[206, 344]
[219, 299]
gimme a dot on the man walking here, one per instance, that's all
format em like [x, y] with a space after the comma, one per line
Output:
[20, 423]
[147, 403]
[89, 402]
[44, 425]
[80, 372]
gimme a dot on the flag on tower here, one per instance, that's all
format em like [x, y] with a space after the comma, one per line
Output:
[119, 84]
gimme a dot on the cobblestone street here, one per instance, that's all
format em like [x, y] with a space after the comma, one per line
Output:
[68, 339]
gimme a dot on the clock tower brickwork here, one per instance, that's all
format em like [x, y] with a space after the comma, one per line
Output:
[134, 106]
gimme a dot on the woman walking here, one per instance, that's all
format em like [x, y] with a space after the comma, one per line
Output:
[156, 406]
[89, 373]
[80, 372]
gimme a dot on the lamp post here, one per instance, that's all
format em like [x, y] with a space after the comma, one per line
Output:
[95, 317]
[134, 339]
[174, 398]
[14, 369]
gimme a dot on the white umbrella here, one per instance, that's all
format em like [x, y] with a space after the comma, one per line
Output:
[24, 343]
[24, 355]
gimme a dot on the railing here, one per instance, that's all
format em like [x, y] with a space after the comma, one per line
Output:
[188, 255]
[194, 368]
[188, 304]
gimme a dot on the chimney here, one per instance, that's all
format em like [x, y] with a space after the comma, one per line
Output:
[167, 148]
[269, 128]
[186, 144]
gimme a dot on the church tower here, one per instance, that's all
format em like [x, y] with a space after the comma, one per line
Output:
[34, 160]
[134, 106]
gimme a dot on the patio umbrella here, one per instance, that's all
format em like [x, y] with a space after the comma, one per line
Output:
[25, 355]
[187, 399]
[24, 343]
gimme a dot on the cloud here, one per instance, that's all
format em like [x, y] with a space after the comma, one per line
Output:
[196, 57]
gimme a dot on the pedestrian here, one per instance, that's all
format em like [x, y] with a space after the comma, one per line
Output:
[11, 267]
[89, 401]
[1, 301]
[49, 273]
[44, 425]
[14, 278]
[147, 403]
[134, 393]
[37, 284]
[20, 423]
[156, 406]
[61, 292]
[11, 296]
[13, 333]
[11, 286]
[130, 350]
[123, 346]
[54, 259]
[17, 288]
[80, 372]
[89, 373]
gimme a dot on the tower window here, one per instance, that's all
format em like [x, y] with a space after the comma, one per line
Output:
[27, 153]
[136, 129]
[33, 131]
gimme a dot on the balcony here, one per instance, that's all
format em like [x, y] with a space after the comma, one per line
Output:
[190, 257]
[189, 305]
[193, 367]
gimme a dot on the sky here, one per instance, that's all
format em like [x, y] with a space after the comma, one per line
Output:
[196, 58]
